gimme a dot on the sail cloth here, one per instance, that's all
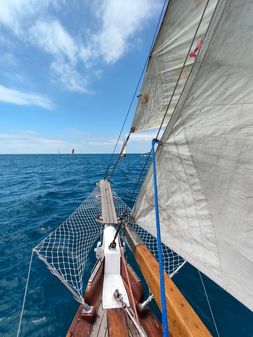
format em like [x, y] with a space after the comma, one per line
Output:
[167, 58]
[205, 161]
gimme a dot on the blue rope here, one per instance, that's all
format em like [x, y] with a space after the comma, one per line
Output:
[159, 246]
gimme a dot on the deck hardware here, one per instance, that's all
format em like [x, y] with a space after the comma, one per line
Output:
[144, 305]
[99, 250]
[88, 312]
[128, 311]
[113, 243]
[99, 219]
[119, 297]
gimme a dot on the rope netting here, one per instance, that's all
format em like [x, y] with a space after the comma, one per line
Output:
[172, 262]
[65, 251]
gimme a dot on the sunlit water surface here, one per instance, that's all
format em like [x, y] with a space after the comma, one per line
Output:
[37, 193]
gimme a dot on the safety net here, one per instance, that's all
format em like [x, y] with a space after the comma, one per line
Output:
[65, 251]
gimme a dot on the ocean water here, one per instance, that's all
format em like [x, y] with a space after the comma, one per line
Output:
[37, 193]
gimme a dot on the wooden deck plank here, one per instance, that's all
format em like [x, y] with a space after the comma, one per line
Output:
[108, 210]
[100, 325]
[112, 322]
[81, 327]
[132, 331]
[117, 326]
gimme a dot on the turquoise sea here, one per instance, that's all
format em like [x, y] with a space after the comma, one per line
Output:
[37, 193]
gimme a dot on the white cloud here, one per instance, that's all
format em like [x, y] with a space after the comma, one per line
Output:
[13, 96]
[31, 142]
[75, 58]
[100, 142]
[136, 139]
[53, 38]
[86, 54]
[143, 136]
[120, 20]
[10, 13]
[14, 14]
[69, 76]
[8, 60]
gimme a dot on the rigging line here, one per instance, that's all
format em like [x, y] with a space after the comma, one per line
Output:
[128, 282]
[119, 156]
[138, 182]
[209, 304]
[158, 25]
[24, 299]
[173, 93]
[159, 246]
[180, 74]
[128, 111]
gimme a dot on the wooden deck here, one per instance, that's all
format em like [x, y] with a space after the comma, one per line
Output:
[81, 327]
[108, 210]
[100, 328]
[112, 322]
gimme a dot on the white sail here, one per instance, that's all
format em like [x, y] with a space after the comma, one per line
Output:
[167, 58]
[205, 161]
[124, 151]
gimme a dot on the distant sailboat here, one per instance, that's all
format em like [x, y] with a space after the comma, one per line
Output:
[145, 154]
[73, 151]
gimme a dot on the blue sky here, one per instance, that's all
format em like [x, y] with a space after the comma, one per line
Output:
[68, 70]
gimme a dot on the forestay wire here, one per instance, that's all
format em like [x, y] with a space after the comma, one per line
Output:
[170, 101]
[65, 251]
[181, 72]
[25, 295]
[171, 97]
[209, 304]
[158, 25]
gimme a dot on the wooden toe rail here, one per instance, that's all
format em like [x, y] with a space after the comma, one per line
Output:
[183, 320]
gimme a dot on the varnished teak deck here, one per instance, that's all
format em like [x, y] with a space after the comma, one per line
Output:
[112, 322]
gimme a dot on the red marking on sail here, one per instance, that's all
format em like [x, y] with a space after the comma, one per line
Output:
[194, 53]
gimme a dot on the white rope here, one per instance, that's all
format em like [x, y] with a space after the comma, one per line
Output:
[24, 299]
[209, 304]
[65, 251]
